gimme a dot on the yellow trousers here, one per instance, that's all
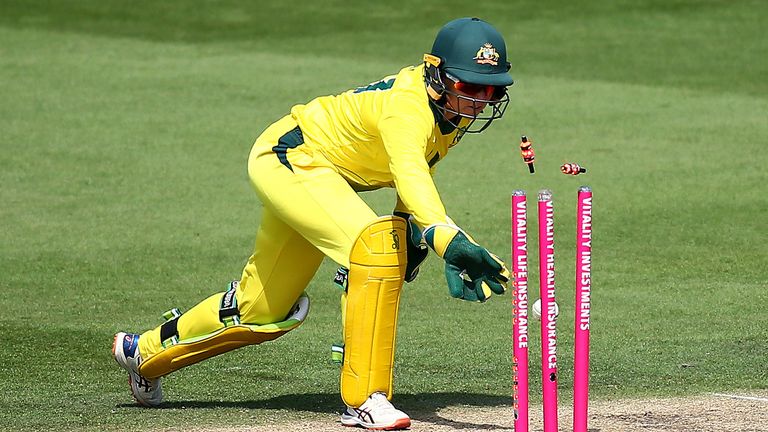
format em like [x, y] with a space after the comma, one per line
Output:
[309, 211]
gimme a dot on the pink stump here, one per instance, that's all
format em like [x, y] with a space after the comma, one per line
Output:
[548, 316]
[520, 311]
[583, 306]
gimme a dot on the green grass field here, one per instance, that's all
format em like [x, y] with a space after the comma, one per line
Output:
[124, 133]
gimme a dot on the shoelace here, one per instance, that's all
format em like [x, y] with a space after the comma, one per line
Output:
[144, 384]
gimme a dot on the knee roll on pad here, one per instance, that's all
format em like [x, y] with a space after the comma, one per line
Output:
[376, 274]
[192, 350]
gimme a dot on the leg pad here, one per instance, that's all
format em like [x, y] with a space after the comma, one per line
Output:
[190, 351]
[377, 270]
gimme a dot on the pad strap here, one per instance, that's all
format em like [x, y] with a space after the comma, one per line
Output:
[169, 333]
[229, 314]
[337, 353]
[341, 278]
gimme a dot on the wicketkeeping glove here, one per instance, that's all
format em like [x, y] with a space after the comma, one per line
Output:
[417, 249]
[471, 271]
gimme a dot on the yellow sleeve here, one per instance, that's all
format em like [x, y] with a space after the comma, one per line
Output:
[405, 129]
[400, 207]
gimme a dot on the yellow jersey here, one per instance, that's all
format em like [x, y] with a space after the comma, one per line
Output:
[385, 134]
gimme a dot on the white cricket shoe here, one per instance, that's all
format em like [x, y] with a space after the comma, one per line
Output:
[125, 349]
[376, 413]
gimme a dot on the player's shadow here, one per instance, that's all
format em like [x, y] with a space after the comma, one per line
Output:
[424, 407]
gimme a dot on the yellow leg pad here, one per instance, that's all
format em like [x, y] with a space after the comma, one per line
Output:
[190, 351]
[377, 270]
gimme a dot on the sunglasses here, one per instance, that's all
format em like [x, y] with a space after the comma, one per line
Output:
[474, 89]
[485, 90]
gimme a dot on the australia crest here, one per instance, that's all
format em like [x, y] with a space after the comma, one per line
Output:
[487, 55]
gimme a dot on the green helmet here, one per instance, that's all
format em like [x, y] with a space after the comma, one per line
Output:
[469, 51]
[473, 51]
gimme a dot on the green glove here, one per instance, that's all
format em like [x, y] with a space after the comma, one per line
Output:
[471, 271]
[417, 250]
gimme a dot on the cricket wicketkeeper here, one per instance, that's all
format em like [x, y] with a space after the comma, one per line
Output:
[307, 169]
